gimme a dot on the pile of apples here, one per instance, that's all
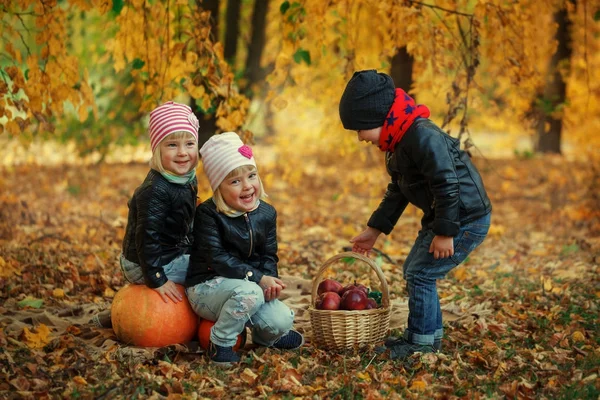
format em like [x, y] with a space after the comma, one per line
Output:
[332, 295]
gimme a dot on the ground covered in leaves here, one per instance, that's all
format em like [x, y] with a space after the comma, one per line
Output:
[525, 304]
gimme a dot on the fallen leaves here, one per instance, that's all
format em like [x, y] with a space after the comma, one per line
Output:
[522, 309]
[38, 338]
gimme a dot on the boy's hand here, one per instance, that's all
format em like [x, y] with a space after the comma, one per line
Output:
[169, 291]
[364, 242]
[272, 287]
[442, 246]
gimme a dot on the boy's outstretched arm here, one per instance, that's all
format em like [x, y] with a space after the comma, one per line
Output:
[364, 242]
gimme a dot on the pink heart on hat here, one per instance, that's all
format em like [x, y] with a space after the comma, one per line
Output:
[245, 151]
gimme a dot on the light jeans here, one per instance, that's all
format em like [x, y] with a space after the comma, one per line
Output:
[236, 303]
[421, 272]
[175, 271]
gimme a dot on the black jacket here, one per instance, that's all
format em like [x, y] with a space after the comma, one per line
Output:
[159, 225]
[233, 247]
[430, 171]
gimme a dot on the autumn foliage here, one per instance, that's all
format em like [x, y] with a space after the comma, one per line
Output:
[478, 65]
[520, 315]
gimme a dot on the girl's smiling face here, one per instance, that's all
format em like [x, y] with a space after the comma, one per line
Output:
[179, 155]
[242, 191]
[370, 135]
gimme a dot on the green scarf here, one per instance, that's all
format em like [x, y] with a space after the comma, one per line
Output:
[180, 179]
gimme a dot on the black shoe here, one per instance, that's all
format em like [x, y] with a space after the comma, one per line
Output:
[402, 349]
[222, 356]
[101, 320]
[391, 341]
[290, 341]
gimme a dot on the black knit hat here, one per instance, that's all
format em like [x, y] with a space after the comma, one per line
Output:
[366, 100]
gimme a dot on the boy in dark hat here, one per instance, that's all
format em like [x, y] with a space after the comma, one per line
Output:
[429, 170]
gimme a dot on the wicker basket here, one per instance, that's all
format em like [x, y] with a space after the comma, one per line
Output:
[341, 329]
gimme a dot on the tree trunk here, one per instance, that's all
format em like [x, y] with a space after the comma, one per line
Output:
[254, 73]
[208, 122]
[402, 69]
[232, 30]
[549, 126]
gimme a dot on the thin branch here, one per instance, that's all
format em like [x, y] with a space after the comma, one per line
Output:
[433, 6]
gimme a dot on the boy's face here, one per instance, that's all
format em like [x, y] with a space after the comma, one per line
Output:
[179, 156]
[370, 135]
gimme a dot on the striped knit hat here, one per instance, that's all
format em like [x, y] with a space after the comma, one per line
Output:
[169, 118]
[223, 153]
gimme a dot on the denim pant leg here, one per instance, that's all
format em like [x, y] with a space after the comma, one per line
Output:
[229, 302]
[421, 271]
[272, 320]
[410, 259]
[175, 271]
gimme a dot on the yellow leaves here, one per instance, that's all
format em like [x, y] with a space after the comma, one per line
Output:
[58, 293]
[15, 54]
[109, 292]
[418, 385]
[248, 376]
[461, 273]
[79, 380]
[83, 114]
[37, 339]
[7, 268]
[577, 336]
[496, 229]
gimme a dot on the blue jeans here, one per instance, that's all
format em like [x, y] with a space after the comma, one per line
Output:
[175, 271]
[236, 303]
[421, 271]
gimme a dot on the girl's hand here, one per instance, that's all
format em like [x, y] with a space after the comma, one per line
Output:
[442, 246]
[364, 242]
[272, 287]
[169, 291]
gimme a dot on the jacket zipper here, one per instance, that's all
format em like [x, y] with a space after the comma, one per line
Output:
[249, 230]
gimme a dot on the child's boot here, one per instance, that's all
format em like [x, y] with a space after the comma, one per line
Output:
[102, 320]
[402, 349]
[290, 341]
[391, 341]
[222, 356]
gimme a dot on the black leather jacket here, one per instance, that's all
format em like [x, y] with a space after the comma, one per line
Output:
[233, 247]
[430, 171]
[159, 225]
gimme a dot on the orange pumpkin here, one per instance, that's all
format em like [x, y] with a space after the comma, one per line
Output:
[141, 317]
[204, 335]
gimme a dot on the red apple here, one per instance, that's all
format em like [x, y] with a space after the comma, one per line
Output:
[362, 287]
[328, 301]
[354, 285]
[371, 304]
[329, 285]
[354, 299]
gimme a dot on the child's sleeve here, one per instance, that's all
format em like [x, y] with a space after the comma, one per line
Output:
[270, 259]
[391, 207]
[152, 209]
[436, 163]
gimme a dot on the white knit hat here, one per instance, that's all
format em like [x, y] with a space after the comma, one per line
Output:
[223, 153]
[169, 118]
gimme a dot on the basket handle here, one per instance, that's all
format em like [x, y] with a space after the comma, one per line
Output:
[385, 295]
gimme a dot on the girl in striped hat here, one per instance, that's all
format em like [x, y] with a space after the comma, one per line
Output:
[158, 236]
[233, 278]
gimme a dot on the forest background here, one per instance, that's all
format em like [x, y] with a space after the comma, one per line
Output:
[516, 81]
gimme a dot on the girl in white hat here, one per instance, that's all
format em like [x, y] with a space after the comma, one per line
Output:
[158, 236]
[233, 278]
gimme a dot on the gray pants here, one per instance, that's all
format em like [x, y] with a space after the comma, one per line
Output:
[175, 271]
[235, 303]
